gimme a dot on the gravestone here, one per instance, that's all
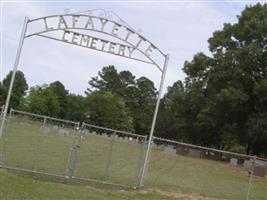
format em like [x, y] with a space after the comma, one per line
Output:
[125, 139]
[195, 153]
[169, 150]
[261, 162]
[44, 129]
[260, 170]
[182, 150]
[104, 134]
[63, 132]
[93, 132]
[247, 163]
[233, 161]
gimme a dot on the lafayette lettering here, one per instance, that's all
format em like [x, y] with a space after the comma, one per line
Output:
[101, 25]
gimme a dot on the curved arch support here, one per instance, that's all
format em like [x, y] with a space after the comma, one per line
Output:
[133, 41]
[128, 39]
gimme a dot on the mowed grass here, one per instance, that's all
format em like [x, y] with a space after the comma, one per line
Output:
[22, 186]
[169, 177]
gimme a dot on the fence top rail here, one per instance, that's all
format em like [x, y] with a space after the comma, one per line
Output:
[44, 116]
[114, 130]
[209, 149]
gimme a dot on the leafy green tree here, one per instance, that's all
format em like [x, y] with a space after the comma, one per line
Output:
[76, 108]
[107, 80]
[108, 110]
[20, 87]
[171, 122]
[139, 95]
[144, 104]
[61, 93]
[2, 95]
[42, 100]
[224, 100]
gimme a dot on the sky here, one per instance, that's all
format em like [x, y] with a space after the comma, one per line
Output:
[180, 28]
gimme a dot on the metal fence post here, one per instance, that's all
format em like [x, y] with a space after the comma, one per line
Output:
[22, 37]
[251, 177]
[105, 177]
[146, 160]
[44, 122]
[140, 163]
[73, 155]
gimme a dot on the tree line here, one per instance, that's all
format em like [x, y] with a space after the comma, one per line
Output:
[113, 99]
[222, 102]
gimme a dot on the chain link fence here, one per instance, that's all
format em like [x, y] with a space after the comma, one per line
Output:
[62, 148]
[110, 156]
[51, 146]
[205, 172]
[37, 143]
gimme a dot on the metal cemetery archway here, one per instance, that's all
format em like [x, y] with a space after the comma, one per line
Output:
[113, 37]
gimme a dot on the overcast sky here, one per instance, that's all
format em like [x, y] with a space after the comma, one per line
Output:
[178, 28]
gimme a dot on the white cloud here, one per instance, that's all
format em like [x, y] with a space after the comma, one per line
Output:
[181, 29]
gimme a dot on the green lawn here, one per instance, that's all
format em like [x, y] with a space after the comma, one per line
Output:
[23, 186]
[169, 177]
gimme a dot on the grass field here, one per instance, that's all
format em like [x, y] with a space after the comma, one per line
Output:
[169, 177]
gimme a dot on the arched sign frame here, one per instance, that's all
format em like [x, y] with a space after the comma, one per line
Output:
[127, 44]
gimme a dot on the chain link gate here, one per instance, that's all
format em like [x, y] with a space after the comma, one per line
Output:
[109, 156]
[51, 146]
[37, 143]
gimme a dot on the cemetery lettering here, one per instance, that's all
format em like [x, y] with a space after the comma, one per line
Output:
[99, 25]
[97, 43]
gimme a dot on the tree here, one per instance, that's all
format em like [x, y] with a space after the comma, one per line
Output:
[76, 108]
[61, 93]
[107, 80]
[171, 121]
[139, 94]
[143, 107]
[20, 87]
[223, 103]
[108, 110]
[42, 100]
[2, 94]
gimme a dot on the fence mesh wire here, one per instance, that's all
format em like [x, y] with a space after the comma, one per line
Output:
[109, 155]
[182, 168]
[37, 143]
[60, 147]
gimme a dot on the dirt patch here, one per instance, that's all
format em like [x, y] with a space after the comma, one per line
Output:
[181, 196]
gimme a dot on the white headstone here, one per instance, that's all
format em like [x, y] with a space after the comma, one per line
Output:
[261, 163]
[44, 129]
[93, 132]
[247, 164]
[194, 152]
[169, 150]
[233, 161]
[63, 132]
